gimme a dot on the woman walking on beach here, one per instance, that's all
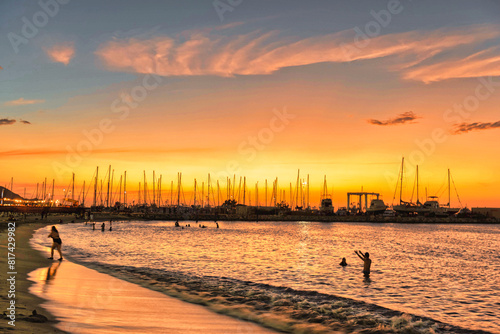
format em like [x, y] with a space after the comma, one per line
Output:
[56, 243]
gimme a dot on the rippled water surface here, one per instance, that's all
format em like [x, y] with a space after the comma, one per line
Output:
[447, 272]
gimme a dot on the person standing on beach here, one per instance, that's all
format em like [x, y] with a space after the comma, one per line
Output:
[367, 262]
[56, 243]
[103, 226]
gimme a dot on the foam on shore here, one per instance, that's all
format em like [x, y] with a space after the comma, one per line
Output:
[86, 301]
[284, 309]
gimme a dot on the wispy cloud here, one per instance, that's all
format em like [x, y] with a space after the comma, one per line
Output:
[259, 53]
[483, 63]
[406, 117]
[22, 102]
[61, 53]
[466, 127]
[5, 121]
[44, 151]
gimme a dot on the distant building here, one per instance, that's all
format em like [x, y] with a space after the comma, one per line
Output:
[488, 212]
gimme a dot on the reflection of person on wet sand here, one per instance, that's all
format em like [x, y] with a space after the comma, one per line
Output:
[52, 270]
[56, 243]
[366, 260]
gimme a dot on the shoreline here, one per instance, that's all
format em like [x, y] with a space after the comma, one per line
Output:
[28, 260]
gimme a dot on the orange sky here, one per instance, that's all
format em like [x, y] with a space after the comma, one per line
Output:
[211, 99]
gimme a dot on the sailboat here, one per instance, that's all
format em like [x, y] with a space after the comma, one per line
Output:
[404, 208]
[326, 200]
[432, 206]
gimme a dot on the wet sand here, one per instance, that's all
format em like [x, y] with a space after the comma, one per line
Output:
[27, 260]
[86, 301]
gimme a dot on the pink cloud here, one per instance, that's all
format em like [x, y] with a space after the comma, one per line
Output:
[61, 53]
[258, 53]
[21, 102]
[484, 63]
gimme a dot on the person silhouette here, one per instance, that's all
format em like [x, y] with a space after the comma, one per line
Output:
[343, 263]
[56, 243]
[366, 260]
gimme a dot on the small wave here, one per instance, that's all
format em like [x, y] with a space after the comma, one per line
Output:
[281, 308]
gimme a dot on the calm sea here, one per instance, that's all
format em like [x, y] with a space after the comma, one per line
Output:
[447, 272]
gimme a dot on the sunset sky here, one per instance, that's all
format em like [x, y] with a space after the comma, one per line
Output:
[256, 88]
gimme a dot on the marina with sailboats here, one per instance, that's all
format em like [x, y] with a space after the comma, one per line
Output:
[233, 200]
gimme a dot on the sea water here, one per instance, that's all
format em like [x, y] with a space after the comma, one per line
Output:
[447, 272]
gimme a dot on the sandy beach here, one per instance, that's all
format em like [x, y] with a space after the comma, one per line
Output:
[27, 260]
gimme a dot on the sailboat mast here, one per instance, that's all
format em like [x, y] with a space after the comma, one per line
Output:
[73, 188]
[95, 186]
[401, 189]
[244, 189]
[257, 194]
[449, 190]
[194, 203]
[53, 186]
[83, 193]
[154, 190]
[109, 182]
[178, 189]
[265, 196]
[418, 199]
[208, 191]
[145, 190]
[125, 188]
[120, 192]
[160, 197]
[202, 194]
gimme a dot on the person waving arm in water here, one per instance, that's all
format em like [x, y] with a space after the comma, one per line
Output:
[366, 260]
